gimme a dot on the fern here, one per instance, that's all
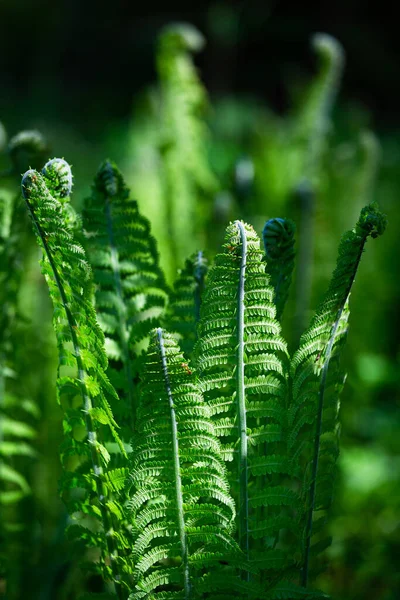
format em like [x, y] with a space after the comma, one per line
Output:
[313, 120]
[187, 176]
[317, 382]
[185, 302]
[83, 388]
[182, 513]
[278, 236]
[242, 362]
[311, 130]
[131, 292]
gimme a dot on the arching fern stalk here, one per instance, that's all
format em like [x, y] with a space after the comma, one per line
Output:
[131, 292]
[182, 512]
[183, 312]
[317, 382]
[243, 367]
[83, 388]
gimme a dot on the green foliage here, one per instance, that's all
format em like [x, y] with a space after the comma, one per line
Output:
[185, 301]
[17, 412]
[188, 179]
[242, 362]
[227, 489]
[83, 387]
[183, 515]
[131, 292]
[318, 381]
[278, 237]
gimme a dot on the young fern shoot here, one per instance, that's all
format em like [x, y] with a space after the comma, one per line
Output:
[82, 356]
[317, 382]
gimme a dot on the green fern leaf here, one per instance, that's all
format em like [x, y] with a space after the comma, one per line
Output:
[187, 176]
[242, 363]
[185, 301]
[130, 288]
[182, 513]
[317, 379]
[69, 279]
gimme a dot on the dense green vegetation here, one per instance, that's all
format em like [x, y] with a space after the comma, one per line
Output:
[200, 427]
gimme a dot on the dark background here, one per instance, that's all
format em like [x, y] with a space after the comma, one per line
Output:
[85, 60]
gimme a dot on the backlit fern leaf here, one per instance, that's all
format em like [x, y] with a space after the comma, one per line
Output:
[130, 286]
[243, 368]
[317, 383]
[83, 388]
[182, 512]
[184, 307]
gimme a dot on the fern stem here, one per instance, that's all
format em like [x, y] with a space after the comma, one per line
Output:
[87, 403]
[177, 468]
[241, 398]
[122, 321]
[321, 396]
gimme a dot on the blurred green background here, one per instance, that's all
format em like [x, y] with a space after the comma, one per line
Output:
[84, 74]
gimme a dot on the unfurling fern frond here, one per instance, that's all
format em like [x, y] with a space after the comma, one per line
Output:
[188, 178]
[131, 292]
[242, 362]
[58, 176]
[185, 301]
[310, 133]
[317, 382]
[182, 512]
[314, 119]
[278, 237]
[84, 390]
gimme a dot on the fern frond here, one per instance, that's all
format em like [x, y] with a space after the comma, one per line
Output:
[131, 292]
[81, 348]
[278, 237]
[182, 512]
[314, 118]
[185, 301]
[188, 178]
[242, 363]
[317, 379]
